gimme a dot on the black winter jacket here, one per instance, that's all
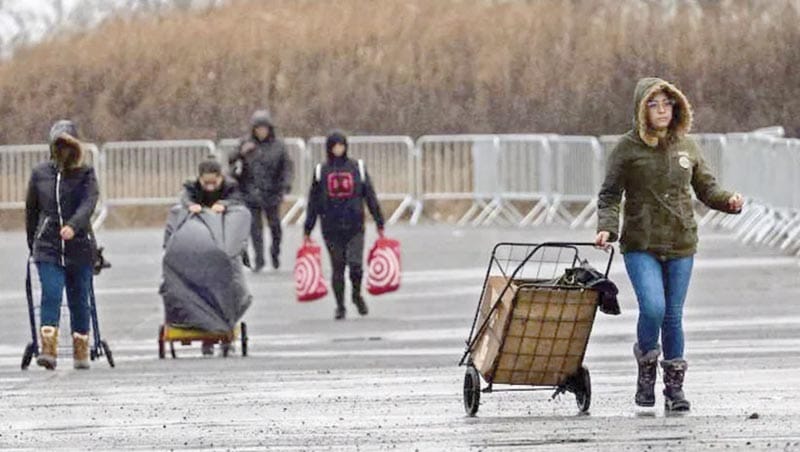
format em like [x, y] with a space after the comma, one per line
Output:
[58, 198]
[264, 172]
[338, 197]
[228, 193]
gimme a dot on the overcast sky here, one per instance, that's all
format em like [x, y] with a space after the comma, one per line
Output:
[28, 21]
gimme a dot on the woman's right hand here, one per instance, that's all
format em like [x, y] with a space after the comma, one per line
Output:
[195, 208]
[601, 239]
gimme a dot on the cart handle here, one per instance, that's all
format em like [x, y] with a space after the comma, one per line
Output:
[538, 246]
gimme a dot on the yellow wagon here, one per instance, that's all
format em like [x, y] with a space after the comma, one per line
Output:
[170, 334]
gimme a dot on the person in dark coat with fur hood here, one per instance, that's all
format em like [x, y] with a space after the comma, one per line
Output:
[62, 195]
[264, 170]
[339, 190]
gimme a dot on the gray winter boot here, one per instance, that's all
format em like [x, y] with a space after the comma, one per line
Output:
[646, 381]
[674, 371]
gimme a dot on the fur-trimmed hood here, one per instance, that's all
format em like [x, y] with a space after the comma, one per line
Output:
[681, 112]
[64, 132]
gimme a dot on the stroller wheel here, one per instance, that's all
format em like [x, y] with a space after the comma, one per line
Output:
[583, 393]
[162, 352]
[27, 356]
[107, 352]
[244, 339]
[472, 391]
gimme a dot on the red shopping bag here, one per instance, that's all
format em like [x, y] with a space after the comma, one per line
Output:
[308, 280]
[384, 266]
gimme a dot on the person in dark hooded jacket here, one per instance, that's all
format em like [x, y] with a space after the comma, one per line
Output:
[211, 189]
[265, 171]
[62, 195]
[338, 192]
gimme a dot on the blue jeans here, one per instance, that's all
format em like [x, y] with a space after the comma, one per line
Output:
[660, 288]
[77, 280]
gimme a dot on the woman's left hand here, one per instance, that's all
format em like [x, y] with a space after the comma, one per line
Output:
[218, 208]
[735, 202]
[67, 233]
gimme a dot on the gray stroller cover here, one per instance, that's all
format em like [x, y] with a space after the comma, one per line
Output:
[203, 282]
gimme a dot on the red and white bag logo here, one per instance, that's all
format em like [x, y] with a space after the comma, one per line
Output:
[308, 280]
[384, 266]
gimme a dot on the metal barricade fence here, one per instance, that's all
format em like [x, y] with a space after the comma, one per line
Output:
[389, 161]
[525, 176]
[223, 149]
[446, 170]
[296, 148]
[578, 175]
[149, 172]
[712, 148]
[497, 173]
[778, 163]
[608, 143]
[791, 240]
[16, 164]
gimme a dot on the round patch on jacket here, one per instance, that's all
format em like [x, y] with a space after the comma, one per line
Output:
[684, 162]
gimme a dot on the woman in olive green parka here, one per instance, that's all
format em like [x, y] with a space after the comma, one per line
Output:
[656, 165]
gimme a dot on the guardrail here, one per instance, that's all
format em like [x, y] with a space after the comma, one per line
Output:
[149, 172]
[517, 180]
[16, 164]
[456, 167]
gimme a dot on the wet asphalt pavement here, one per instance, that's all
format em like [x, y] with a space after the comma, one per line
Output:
[390, 380]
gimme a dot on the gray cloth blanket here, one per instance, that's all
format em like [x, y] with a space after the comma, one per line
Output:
[203, 282]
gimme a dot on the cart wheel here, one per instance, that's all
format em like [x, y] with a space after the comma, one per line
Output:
[107, 352]
[162, 352]
[172, 350]
[244, 339]
[472, 391]
[583, 395]
[27, 356]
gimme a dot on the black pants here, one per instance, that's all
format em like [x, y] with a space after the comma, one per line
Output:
[346, 249]
[271, 209]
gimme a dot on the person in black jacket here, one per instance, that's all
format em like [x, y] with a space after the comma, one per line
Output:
[265, 171]
[62, 194]
[211, 189]
[339, 190]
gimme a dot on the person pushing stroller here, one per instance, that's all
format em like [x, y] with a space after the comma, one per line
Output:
[339, 189]
[211, 190]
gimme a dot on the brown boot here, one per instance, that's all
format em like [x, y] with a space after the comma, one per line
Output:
[47, 358]
[80, 351]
